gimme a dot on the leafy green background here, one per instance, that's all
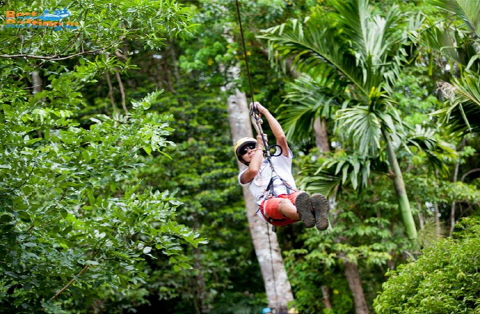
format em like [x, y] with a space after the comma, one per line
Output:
[118, 188]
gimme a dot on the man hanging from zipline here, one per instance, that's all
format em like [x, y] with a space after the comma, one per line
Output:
[271, 182]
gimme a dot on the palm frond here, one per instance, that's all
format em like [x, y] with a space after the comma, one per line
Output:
[438, 152]
[373, 38]
[362, 127]
[364, 49]
[455, 44]
[340, 170]
[365, 126]
[322, 183]
[311, 46]
[440, 37]
[463, 114]
[306, 100]
[467, 10]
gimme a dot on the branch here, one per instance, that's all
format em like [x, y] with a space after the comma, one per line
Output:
[122, 91]
[469, 172]
[110, 88]
[22, 184]
[84, 269]
[110, 92]
[69, 283]
[52, 58]
[118, 54]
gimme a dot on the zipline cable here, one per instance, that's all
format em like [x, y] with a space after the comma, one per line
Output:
[256, 120]
[255, 116]
[244, 51]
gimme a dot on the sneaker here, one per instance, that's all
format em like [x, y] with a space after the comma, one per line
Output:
[304, 210]
[321, 207]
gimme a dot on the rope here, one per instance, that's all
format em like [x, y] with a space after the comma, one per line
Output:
[273, 269]
[258, 127]
[244, 51]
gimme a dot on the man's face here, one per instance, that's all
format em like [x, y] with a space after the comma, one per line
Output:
[247, 152]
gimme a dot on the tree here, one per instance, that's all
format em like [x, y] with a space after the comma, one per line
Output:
[457, 46]
[227, 277]
[453, 43]
[268, 252]
[365, 56]
[351, 59]
[442, 280]
[77, 232]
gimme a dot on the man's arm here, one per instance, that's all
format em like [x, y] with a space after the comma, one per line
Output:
[275, 127]
[255, 163]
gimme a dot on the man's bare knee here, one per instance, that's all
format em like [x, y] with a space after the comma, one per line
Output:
[287, 209]
[285, 202]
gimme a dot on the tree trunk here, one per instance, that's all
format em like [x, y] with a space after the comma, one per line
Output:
[200, 286]
[321, 135]
[265, 243]
[438, 226]
[403, 202]
[421, 221]
[452, 210]
[323, 145]
[326, 298]
[355, 284]
[36, 82]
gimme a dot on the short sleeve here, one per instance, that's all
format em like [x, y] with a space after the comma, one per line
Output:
[240, 175]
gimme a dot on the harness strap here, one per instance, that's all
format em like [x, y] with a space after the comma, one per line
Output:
[270, 189]
[269, 192]
[270, 219]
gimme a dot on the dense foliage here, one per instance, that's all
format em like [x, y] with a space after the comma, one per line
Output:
[443, 280]
[118, 188]
[77, 231]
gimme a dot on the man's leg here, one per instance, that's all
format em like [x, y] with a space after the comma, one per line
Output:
[302, 210]
[321, 207]
[287, 209]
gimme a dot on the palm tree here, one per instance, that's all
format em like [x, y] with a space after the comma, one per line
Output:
[313, 105]
[461, 47]
[356, 56]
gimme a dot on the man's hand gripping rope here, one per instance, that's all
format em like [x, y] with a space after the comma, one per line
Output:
[256, 118]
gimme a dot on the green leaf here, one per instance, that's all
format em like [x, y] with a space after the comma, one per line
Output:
[5, 218]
